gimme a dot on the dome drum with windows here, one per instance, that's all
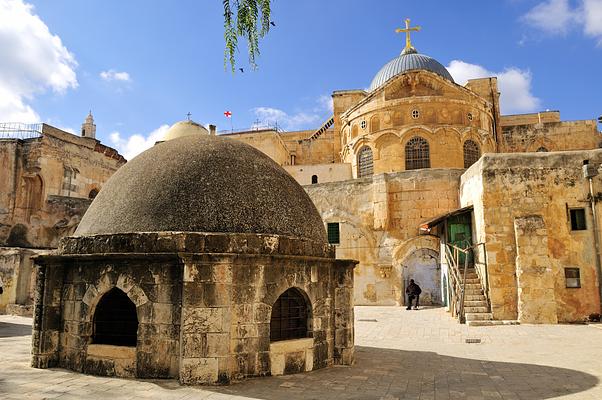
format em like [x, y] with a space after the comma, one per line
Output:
[187, 243]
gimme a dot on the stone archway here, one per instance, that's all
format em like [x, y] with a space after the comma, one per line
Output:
[422, 265]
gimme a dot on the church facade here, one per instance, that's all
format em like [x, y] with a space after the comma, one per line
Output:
[48, 178]
[394, 164]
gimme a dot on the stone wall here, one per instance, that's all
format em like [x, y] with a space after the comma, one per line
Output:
[32, 171]
[154, 286]
[204, 303]
[552, 136]
[379, 218]
[513, 191]
[18, 279]
[324, 172]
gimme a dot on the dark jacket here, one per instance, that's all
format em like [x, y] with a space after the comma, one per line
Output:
[413, 289]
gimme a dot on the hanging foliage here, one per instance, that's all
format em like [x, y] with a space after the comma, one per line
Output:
[246, 19]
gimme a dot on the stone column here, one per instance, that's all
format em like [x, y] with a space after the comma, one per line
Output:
[47, 316]
[343, 311]
[535, 280]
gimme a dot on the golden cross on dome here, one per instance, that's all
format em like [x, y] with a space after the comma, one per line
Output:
[407, 31]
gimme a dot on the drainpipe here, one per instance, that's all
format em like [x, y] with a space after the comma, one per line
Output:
[589, 171]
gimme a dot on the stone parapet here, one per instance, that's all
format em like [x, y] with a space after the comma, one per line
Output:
[186, 242]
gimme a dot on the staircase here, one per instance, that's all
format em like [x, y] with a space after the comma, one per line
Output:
[476, 307]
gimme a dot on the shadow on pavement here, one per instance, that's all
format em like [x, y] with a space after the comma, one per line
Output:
[9, 329]
[397, 374]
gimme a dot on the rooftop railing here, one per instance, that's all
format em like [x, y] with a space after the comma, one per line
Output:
[19, 130]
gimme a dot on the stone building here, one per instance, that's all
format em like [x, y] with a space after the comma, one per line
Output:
[394, 157]
[200, 259]
[47, 180]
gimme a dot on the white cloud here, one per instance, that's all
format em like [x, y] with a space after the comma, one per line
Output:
[514, 85]
[33, 61]
[270, 117]
[552, 16]
[112, 75]
[135, 144]
[325, 103]
[591, 13]
[558, 17]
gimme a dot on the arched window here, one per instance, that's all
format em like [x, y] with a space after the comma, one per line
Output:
[314, 179]
[290, 316]
[93, 193]
[115, 320]
[375, 124]
[417, 153]
[472, 153]
[542, 150]
[364, 162]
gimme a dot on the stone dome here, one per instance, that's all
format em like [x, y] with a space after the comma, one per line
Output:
[408, 60]
[203, 183]
[184, 128]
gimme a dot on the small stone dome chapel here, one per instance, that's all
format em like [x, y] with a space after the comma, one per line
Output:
[200, 259]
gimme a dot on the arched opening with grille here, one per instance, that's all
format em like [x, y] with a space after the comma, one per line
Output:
[365, 162]
[472, 153]
[542, 150]
[417, 153]
[115, 320]
[290, 316]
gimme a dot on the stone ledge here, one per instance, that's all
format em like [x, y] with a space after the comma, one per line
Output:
[194, 242]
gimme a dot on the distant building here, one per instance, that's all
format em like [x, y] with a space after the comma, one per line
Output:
[395, 156]
[48, 177]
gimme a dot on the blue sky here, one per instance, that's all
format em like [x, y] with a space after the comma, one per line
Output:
[142, 65]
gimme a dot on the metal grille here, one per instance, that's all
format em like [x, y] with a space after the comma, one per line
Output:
[334, 234]
[417, 153]
[289, 316]
[18, 130]
[115, 320]
[472, 153]
[364, 162]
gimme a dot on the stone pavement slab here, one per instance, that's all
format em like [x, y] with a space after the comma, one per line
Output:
[400, 354]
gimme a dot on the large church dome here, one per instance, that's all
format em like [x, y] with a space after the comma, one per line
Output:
[408, 60]
[203, 183]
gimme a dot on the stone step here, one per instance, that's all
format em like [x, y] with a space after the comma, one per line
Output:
[470, 281]
[491, 322]
[473, 286]
[475, 309]
[475, 303]
[475, 291]
[474, 297]
[478, 316]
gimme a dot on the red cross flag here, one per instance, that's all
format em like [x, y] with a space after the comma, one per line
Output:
[227, 114]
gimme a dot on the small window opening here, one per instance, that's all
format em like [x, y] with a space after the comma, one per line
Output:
[415, 114]
[365, 162]
[93, 193]
[290, 316]
[314, 179]
[334, 234]
[572, 277]
[115, 320]
[363, 124]
[417, 153]
[542, 150]
[578, 219]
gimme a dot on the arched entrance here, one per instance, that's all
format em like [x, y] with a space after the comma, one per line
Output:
[115, 320]
[290, 316]
[422, 265]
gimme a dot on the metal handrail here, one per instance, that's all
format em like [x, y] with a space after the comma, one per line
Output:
[456, 270]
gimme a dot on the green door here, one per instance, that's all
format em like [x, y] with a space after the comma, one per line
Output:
[459, 233]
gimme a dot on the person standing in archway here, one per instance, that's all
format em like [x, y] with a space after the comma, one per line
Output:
[413, 291]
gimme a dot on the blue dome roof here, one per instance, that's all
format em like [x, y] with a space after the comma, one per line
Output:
[408, 61]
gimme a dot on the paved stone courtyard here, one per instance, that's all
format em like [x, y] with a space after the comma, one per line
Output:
[399, 355]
